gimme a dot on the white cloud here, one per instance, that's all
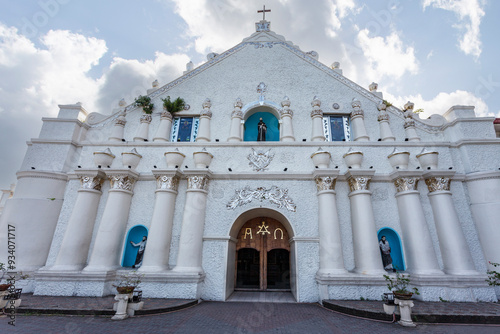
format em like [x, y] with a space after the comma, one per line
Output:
[338, 10]
[387, 57]
[470, 13]
[442, 102]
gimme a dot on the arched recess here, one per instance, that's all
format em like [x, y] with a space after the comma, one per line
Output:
[233, 234]
[398, 260]
[135, 234]
[269, 112]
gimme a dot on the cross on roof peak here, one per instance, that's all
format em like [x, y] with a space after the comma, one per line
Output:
[264, 11]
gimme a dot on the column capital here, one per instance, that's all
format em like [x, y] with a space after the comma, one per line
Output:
[325, 182]
[198, 179]
[122, 179]
[438, 180]
[357, 183]
[146, 118]
[167, 179]
[91, 179]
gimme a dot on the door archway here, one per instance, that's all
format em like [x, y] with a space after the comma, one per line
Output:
[262, 256]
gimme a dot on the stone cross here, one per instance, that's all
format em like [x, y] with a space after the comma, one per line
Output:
[264, 11]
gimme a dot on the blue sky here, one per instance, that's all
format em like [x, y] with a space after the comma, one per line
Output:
[436, 53]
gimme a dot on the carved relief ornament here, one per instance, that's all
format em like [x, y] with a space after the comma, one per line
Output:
[325, 183]
[406, 184]
[275, 195]
[91, 182]
[438, 184]
[165, 182]
[383, 117]
[260, 160]
[146, 118]
[359, 183]
[198, 182]
[166, 115]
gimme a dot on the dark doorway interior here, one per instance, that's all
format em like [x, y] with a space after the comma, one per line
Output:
[278, 269]
[248, 270]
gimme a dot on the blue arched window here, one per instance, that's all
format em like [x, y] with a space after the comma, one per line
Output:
[135, 234]
[398, 261]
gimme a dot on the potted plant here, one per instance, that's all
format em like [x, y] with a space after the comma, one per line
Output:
[128, 282]
[3, 270]
[399, 286]
[173, 106]
[13, 276]
[493, 275]
[145, 103]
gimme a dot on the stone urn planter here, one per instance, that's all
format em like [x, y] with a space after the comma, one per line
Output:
[174, 159]
[399, 159]
[103, 158]
[4, 287]
[321, 158]
[125, 289]
[428, 159]
[402, 296]
[131, 159]
[353, 159]
[202, 159]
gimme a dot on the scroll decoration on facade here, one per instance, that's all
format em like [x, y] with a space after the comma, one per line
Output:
[406, 184]
[275, 195]
[438, 184]
[165, 182]
[359, 183]
[121, 182]
[325, 182]
[260, 160]
[198, 182]
[91, 182]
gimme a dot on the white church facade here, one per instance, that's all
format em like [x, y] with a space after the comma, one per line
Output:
[302, 210]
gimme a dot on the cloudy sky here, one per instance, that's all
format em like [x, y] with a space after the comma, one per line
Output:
[436, 53]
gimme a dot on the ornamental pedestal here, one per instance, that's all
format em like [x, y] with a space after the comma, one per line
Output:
[163, 132]
[76, 242]
[193, 220]
[420, 253]
[236, 118]
[205, 117]
[364, 234]
[108, 242]
[457, 259]
[384, 124]
[331, 261]
[286, 119]
[358, 122]
[157, 251]
[118, 129]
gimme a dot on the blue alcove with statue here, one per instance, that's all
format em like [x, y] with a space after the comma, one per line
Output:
[392, 237]
[135, 234]
[271, 122]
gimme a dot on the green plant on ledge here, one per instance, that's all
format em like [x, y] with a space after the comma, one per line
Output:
[128, 282]
[173, 106]
[493, 275]
[399, 286]
[145, 103]
[387, 104]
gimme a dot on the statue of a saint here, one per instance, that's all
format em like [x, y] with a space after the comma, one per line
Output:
[261, 130]
[140, 251]
[385, 249]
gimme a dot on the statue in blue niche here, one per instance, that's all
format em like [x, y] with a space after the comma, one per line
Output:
[261, 130]
[385, 249]
[140, 251]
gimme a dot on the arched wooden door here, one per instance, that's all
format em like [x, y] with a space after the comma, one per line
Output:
[263, 256]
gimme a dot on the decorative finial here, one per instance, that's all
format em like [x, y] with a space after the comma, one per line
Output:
[155, 83]
[373, 87]
[122, 103]
[264, 11]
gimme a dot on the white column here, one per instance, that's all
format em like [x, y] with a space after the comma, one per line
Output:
[364, 234]
[193, 220]
[331, 260]
[236, 117]
[317, 121]
[143, 132]
[286, 118]
[157, 251]
[118, 128]
[484, 195]
[205, 116]
[76, 242]
[457, 259]
[163, 132]
[420, 253]
[109, 239]
[410, 130]
[358, 122]
[384, 124]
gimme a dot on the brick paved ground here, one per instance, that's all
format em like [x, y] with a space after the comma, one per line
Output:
[219, 317]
